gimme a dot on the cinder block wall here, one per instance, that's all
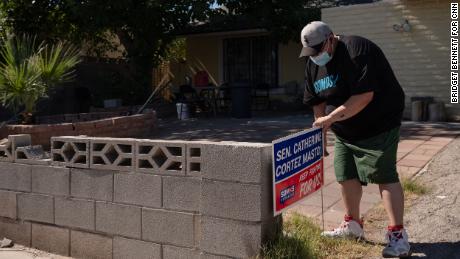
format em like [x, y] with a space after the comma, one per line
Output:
[129, 198]
[139, 125]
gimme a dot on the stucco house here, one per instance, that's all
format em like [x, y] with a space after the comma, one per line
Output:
[244, 53]
[414, 35]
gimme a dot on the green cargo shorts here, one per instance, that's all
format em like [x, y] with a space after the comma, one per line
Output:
[371, 160]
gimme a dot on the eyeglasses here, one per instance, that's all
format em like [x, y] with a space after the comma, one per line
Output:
[319, 47]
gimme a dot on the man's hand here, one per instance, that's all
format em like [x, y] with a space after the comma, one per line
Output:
[320, 119]
[324, 122]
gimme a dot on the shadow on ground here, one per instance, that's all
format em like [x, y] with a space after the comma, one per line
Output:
[260, 129]
[268, 127]
[441, 250]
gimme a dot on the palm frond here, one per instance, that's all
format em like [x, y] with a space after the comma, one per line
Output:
[57, 62]
[29, 68]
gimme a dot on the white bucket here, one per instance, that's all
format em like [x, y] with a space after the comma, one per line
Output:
[182, 111]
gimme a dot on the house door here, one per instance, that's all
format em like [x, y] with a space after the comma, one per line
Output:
[253, 59]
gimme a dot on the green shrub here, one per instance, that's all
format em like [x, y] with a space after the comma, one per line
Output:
[29, 68]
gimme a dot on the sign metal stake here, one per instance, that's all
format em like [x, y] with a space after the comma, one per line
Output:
[322, 207]
[325, 153]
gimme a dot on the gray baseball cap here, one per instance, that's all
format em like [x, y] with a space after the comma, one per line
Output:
[313, 34]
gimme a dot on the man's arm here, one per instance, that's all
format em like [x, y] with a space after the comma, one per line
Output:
[319, 110]
[350, 108]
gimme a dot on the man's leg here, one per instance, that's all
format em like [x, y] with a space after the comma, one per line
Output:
[352, 192]
[347, 175]
[393, 200]
[351, 227]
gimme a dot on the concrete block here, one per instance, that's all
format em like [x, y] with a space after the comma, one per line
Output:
[231, 200]
[138, 189]
[50, 180]
[230, 238]
[15, 177]
[164, 226]
[33, 155]
[8, 204]
[194, 159]
[20, 140]
[92, 184]
[6, 153]
[45, 161]
[232, 161]
[160, 157]
[175, 252]
[51, 239]
[118, 219]
[36, 207]
[75, 213]
[87, 245]
[30, 152]
[70, 151]
[124, 248]
[181, 193]
[18, 231]
[112, 154]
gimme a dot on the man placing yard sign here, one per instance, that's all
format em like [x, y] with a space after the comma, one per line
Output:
[352, 75]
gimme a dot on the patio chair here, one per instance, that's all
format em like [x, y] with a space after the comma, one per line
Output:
[188, 95]
[223, 98]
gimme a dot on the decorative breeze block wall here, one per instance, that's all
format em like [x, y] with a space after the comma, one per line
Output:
[70, 151]
[134, 198]
[160, 157]
[112, 154]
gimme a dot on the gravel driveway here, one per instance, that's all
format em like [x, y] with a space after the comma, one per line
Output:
[433, 222]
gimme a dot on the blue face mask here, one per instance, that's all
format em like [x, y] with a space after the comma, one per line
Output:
[322, 59]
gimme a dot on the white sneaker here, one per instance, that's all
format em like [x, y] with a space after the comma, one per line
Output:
[398, 244]
[348, 229]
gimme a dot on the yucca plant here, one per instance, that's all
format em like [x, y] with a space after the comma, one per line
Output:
[29, 68]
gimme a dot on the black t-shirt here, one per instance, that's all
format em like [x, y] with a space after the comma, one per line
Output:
[358, 66]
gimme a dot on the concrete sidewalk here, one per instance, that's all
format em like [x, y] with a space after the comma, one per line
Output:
[420, 142]
[22, 252]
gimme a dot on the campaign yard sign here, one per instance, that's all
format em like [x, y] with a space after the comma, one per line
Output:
[297, 167]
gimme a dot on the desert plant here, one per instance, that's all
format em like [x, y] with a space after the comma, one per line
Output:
[28, 69]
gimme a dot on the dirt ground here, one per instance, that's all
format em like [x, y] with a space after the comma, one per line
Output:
[432, 220]
[22, 252]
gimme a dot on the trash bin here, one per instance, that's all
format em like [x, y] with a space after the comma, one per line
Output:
[436, 112]
[241, 100]
[183, 112]
[421, 106]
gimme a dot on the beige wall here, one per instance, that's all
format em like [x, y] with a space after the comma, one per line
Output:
[206, 51]
[203, 53]
[420, 58]
[291, 67]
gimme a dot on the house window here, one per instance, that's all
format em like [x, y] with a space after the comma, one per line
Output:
[253, 59]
